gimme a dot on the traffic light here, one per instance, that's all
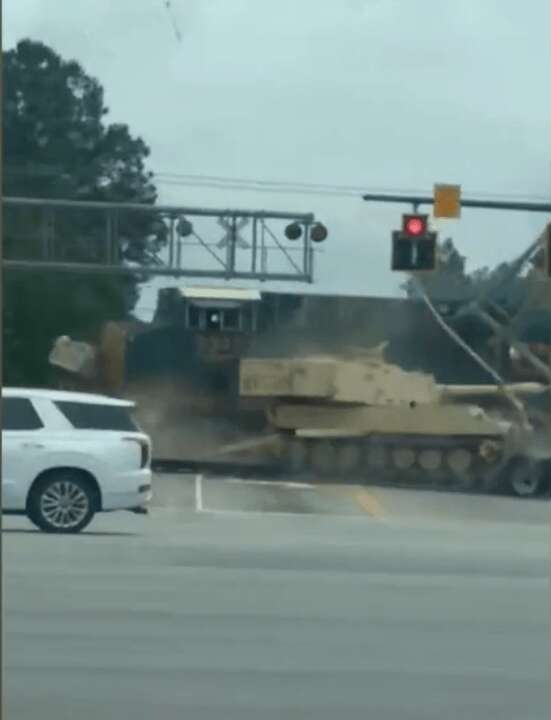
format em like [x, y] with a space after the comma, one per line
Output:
[414, 226]
[414, 246]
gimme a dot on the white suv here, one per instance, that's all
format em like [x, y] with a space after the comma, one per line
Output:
[66, 456]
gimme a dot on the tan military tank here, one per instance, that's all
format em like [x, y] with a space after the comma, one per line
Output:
[357, 414]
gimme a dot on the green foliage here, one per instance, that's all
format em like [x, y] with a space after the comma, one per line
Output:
[56, 144]
[452, 283]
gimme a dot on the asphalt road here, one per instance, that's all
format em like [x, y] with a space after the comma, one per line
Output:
[399, 606]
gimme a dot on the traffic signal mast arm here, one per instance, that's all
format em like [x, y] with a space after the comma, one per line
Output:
[417, 200]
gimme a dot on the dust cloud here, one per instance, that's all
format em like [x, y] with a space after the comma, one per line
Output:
[187, 421]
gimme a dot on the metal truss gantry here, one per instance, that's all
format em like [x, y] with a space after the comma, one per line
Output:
[160, 240]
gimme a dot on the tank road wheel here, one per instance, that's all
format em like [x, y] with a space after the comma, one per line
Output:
[377, 457]
[323, 458]
[460, 461]
[376, 464]
[493, 476]
[429, 467]
[430, 460]
[403, 458]
[296, 455]
[349, 457]
[403, 466]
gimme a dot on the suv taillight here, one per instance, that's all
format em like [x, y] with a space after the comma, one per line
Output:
[144, 449]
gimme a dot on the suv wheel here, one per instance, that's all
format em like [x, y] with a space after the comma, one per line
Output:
[62, 502]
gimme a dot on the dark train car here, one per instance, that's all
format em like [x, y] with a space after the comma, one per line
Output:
[203, 332]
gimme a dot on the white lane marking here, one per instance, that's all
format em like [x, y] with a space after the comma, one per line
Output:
[273, 483]
[199, 493]
[282, 513]
[245, 513]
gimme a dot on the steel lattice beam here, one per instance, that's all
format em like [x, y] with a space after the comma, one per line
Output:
[177, 241]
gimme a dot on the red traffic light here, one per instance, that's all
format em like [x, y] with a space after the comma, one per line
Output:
[414, 225]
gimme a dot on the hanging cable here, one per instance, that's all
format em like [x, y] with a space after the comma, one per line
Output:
[517, 404]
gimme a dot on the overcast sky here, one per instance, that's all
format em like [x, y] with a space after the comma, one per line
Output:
[377, 93]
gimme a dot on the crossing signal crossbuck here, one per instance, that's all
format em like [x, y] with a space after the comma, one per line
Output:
[414, 246]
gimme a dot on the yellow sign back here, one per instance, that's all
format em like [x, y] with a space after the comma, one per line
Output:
[447, 201]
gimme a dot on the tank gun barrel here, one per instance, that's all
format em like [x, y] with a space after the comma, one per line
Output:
[458, 391]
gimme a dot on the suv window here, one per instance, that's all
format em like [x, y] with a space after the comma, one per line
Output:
[86, 416]
[19, 414]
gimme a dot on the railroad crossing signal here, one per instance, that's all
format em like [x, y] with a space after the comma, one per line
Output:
[232, 232]
[447, 201]
[414, 246]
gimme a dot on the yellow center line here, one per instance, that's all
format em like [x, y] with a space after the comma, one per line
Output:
[360, 496]
[369, 503]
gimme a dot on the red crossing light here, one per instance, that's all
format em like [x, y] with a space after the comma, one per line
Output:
[414, 225]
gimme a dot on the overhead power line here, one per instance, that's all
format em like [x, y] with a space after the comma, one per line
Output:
[264, 185]
[212, 185]
[223, 182]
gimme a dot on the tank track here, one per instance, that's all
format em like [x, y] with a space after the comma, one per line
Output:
[458, 463]
[487, 474]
